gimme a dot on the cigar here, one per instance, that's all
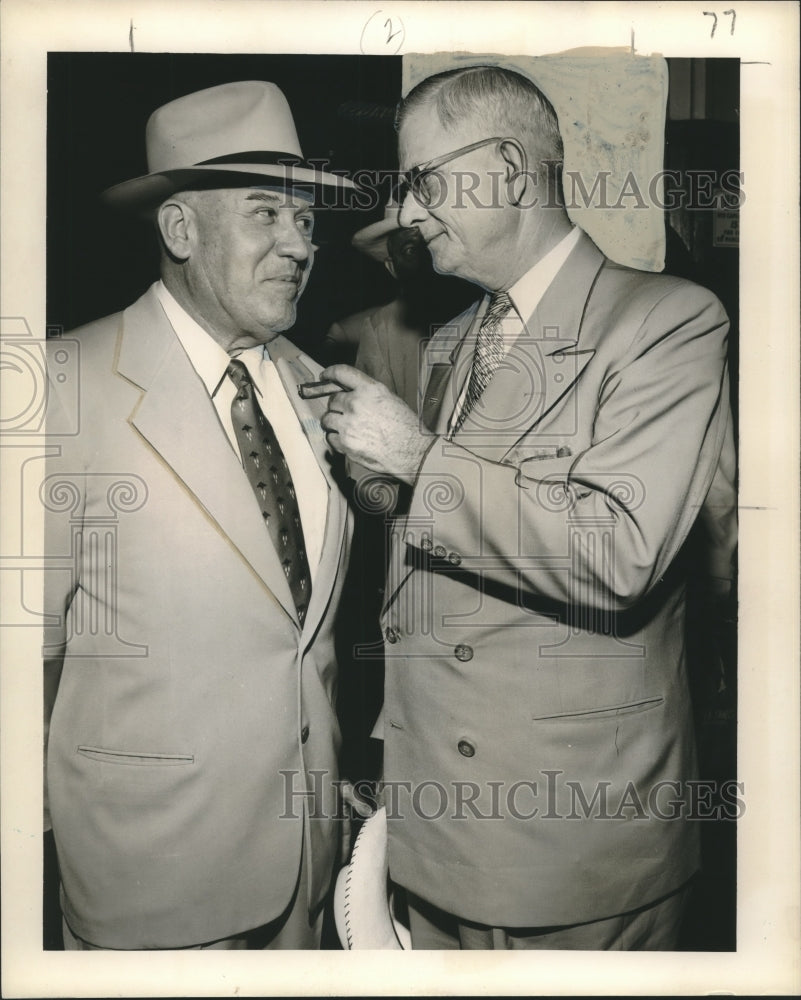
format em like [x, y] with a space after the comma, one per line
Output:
[313, 390]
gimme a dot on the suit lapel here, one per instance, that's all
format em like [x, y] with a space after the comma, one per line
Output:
[292, 368]
[556, 322]
[177, 419]
[442, 368]
[543, 364]
[439, 373]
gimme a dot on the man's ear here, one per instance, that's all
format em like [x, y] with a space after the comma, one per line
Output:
[177, 225]
[516, 175]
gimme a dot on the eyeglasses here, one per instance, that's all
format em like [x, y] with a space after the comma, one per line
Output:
[419, 180]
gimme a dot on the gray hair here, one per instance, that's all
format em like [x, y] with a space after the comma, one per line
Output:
[501, 101]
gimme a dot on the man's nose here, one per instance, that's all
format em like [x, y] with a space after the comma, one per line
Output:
[291, 242]
[411, 212]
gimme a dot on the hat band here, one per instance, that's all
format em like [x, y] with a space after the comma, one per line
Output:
[271, 158]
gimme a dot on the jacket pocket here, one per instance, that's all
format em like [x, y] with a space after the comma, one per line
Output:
[134, 757]
[612, 711]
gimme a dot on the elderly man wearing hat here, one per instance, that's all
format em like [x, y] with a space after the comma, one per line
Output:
[189, 658]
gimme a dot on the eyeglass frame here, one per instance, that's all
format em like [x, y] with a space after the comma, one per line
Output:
[410, 179]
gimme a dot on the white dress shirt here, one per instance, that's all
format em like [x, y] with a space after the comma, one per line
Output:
[525, 296]
[210, 362]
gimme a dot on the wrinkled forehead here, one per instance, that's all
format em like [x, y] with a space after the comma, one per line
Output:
[283, 197]
[216, 199]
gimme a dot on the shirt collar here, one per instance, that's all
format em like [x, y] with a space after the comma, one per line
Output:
[208, 359]
[527, 291]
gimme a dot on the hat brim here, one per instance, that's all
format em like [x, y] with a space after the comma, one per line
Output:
[150, 190]
[372, 240]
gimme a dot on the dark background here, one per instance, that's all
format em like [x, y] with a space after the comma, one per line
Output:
[99, 262]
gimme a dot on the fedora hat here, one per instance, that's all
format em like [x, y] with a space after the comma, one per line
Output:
[226, 136]
[372, 240]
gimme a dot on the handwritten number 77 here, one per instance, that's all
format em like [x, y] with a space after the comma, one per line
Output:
[709, 13]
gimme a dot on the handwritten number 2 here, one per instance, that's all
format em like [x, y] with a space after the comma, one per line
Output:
[382, 35]
[390, 33]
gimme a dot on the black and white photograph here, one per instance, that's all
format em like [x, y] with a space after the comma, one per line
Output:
[400, 459]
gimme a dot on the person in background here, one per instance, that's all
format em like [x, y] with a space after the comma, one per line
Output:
[387, 341]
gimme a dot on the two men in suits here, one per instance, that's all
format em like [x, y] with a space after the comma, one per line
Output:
[539, 752]
[198, 542]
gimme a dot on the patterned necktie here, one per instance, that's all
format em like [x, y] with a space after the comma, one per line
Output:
[270, 478]
[487, 356]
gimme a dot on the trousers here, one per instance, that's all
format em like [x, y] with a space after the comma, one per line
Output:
[654, 927]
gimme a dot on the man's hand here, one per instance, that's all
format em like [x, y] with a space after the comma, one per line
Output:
[372, 426]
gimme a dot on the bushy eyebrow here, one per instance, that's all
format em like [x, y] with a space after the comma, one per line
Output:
[262, 196]
[273, 199]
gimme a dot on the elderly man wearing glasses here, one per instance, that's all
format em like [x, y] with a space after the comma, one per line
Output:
[539, 751]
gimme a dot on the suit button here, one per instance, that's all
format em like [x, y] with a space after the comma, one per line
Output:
[392, 634]
[439, 551]
[304, 734]
[466, 748]
[426, 544]
[454, 559]
[463, 652]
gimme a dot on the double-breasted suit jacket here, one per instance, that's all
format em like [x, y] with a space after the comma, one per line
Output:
[193, 742]
[537, 723]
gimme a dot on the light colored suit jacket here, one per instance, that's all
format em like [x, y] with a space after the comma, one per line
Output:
[193, 741]
[538, 728]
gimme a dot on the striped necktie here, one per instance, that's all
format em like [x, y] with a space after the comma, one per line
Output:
[487, 356]
[269, 476]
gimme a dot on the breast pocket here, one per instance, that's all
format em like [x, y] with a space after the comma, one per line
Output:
[538, 462]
